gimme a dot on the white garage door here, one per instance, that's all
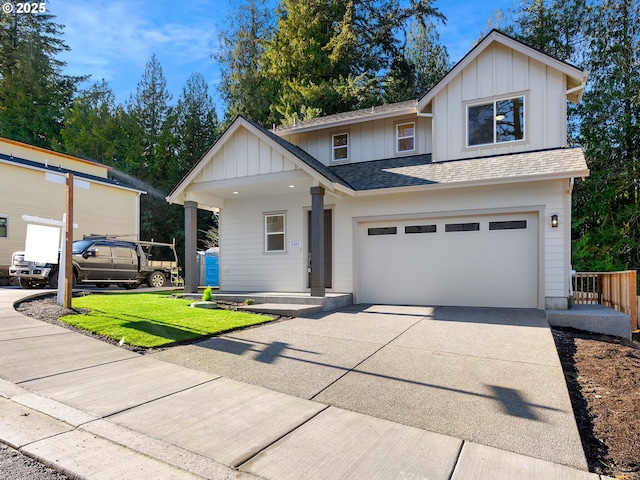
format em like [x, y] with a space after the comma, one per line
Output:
[469, 261]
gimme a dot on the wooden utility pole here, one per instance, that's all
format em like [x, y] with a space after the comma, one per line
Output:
[68, 268]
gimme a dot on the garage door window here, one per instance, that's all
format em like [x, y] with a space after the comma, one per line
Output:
[382, 231]
[3, 226]
[509, 225]
[420, 229]
[462, 227]
[274, 233]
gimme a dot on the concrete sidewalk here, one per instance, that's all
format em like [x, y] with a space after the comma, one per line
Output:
[376, 392]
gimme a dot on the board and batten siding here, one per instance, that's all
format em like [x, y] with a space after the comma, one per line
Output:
[101, 209]
[369, 140]
[496, 73]
[244, 155]
[244, 265]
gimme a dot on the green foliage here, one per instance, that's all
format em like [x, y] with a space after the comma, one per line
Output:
[602, 37]
[154, 319]
[207, 296]
[249, 301]
[323, 57]
[33, 91]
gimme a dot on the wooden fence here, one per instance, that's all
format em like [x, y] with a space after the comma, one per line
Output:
[616, 290]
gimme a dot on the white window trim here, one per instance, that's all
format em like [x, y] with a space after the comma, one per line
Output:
[397, 127]
[333, 148]
[283, 233]
[493, 102]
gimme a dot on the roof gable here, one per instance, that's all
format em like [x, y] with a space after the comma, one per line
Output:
[576, 78]
[229, 158]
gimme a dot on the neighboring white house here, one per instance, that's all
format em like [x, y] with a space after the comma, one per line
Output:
[462, 197]
[32, 183]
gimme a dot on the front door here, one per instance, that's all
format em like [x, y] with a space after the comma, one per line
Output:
[328, 248]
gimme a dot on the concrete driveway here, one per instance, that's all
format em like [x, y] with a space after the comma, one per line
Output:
[489, 376]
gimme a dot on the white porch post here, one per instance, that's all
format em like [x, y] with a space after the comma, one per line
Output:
[317, 242]
[190, 246]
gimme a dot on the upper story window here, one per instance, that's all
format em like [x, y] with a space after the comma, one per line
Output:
[3, 227]
[405, 137]
[496, 122]
[340, 145]
[274, 232]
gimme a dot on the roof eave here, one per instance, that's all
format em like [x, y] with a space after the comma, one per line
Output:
[349, 121]
[474, 183]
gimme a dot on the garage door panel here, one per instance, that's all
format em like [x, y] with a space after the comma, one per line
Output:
[475, 268]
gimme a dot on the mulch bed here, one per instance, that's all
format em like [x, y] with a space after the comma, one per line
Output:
[603, 377]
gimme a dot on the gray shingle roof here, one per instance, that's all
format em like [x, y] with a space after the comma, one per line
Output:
[352, 116]
[419, 170]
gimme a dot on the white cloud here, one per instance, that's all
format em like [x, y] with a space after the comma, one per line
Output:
[113, 40]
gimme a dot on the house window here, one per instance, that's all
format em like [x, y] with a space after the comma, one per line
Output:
[274, 233]
[3, 227]
[496, 122]
[340, 145]
[405, 137]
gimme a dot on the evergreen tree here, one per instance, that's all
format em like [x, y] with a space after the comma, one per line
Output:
[607, 209]
[196, 125]
[33, 91]
[89, 126]
[244, 86]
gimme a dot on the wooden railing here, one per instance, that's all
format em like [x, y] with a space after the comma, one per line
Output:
[616, 290]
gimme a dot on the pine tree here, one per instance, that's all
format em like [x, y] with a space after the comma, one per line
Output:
[244, 86]
[33, 91]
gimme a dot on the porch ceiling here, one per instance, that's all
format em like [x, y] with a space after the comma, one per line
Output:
[214, 194]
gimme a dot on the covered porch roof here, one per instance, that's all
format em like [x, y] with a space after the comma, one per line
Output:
[250, 161]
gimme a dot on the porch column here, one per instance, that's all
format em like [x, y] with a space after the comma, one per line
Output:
[190, 246]
[317, 242]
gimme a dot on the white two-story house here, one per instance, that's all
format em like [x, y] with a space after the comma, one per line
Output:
[462, 197]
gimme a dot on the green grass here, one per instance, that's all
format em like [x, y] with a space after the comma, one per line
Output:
[154, 319]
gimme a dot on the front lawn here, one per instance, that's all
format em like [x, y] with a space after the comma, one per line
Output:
[154, 319]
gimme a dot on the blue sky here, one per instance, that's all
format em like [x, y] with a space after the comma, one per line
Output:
[114, 39]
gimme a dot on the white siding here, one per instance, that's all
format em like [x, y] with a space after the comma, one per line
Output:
[372, 140]
[245, 266]
[243, 155]
[500, 72]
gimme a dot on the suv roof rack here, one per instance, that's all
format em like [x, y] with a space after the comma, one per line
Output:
[108, 236]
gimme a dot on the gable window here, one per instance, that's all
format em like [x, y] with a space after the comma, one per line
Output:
[496, 122]
[274, 232]
[340, 145]
[405, 137]
[3, 226]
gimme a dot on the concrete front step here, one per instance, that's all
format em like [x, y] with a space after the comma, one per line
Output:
[331, 301]
[284, 309]
[592, 318]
